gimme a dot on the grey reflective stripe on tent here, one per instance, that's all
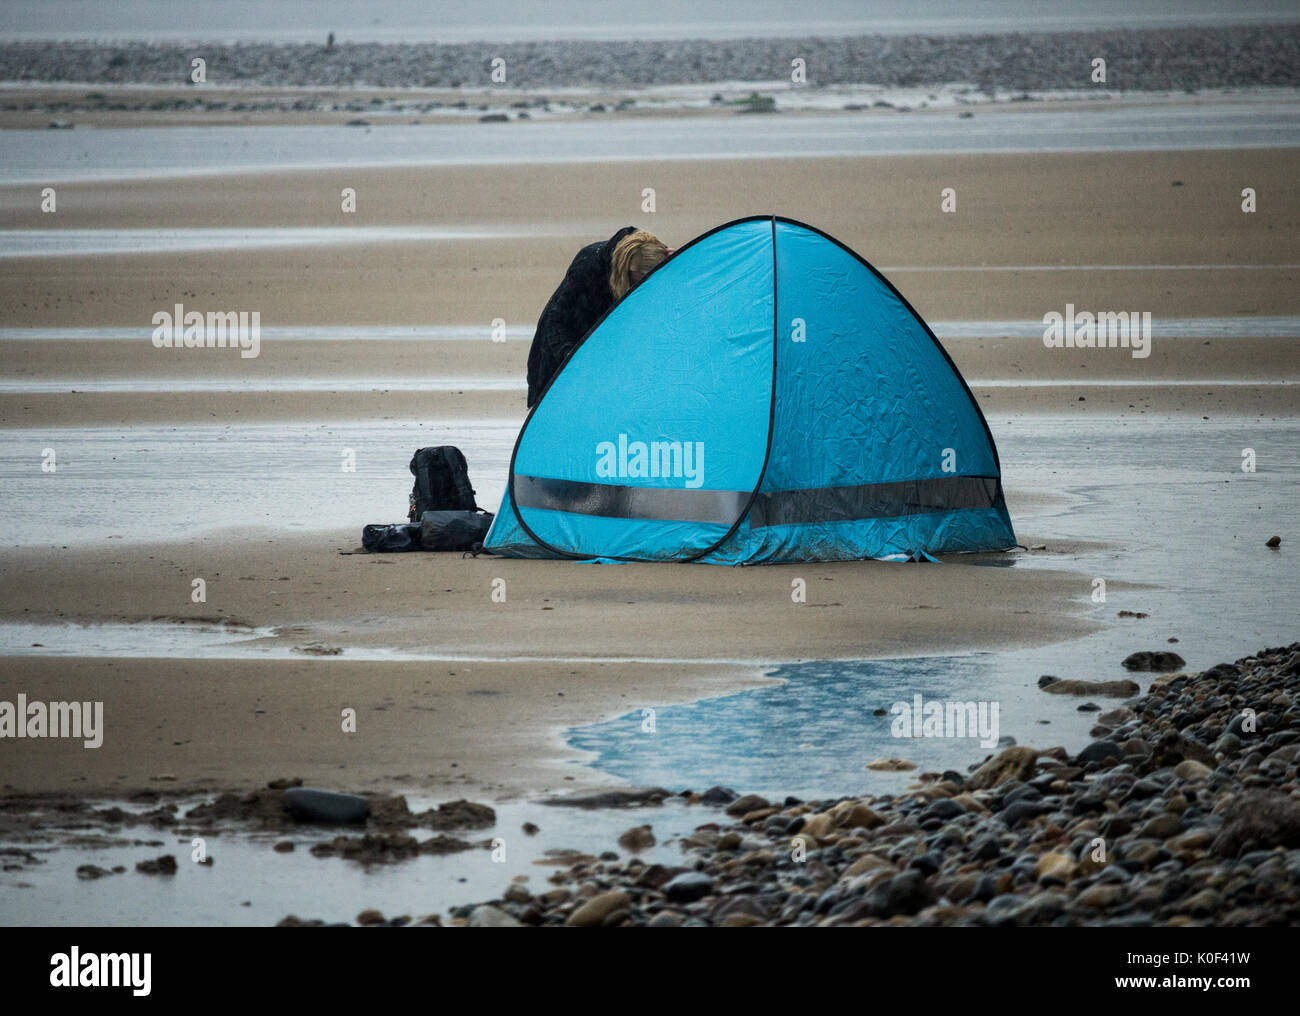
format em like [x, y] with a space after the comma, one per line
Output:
[873, 500]
[776, 508]
[617, 501]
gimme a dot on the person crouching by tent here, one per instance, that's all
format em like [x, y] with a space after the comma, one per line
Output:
[601, 274]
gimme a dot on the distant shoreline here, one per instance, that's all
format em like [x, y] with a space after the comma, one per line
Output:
[1143, 60]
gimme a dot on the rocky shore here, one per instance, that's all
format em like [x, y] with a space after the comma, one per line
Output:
[1185, 810]
[1142, 60]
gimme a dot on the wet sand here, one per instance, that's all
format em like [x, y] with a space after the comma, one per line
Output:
[478, 378]
[1021, 210]
[416, 719]
[497, 719]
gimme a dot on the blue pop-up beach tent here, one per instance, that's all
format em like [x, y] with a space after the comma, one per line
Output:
[765, 395]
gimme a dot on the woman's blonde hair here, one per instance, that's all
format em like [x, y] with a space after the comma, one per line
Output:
[635, 256]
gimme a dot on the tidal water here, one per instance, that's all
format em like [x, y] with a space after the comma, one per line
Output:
[1180, 533]
[249, 883]
[26, 243]
[170, 482]
[45, 156]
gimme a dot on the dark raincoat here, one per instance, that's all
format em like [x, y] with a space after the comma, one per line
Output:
[580, 301]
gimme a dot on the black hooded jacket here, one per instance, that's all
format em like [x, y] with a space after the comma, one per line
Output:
[579, 302]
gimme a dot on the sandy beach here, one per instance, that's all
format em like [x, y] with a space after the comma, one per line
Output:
[497, 714]
[1041, 211]
[1117, 209]
[176, 465]
[1103, 212]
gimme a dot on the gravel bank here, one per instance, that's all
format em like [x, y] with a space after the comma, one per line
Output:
[1184, 811]
[1141, 60]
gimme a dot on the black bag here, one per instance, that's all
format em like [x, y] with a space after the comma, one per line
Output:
[389, 539]
[443, 514]
[441, 482]
[454, 530]
[437, 531]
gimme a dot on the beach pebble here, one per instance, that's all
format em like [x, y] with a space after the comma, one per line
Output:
[308, 804]
[656, 875]
[860, 816]
[1159, 660]
[492, 917]
[904, 893]
[164, 865]
[890, 765]
[1162, 827]
[1057, 867]
[1190, 770]
[516, 892]
[1258, 819]
[1098, 751]
[1010, 764]
[1100, 896]
[944, 809]
[637, 838]
[597, 909]
[748, 803]
[739, 905]
[688, 887]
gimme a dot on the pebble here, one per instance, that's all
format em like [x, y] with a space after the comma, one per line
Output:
[1010, 764]
[1101, 896]
[164, 865]
[1159, 660]
[637, 838]
[1189, 770]
[1162, 827]
[688, 887]
[745, 805]
[597, 909]
[890, 765]
[488, 917]
[308, 804]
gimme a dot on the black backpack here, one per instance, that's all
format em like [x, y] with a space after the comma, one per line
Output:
[443, 514]
[441, 482]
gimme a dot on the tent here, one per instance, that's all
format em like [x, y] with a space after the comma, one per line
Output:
[765, 395]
